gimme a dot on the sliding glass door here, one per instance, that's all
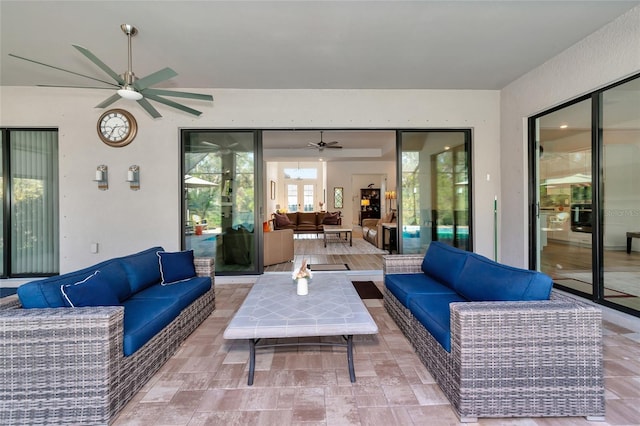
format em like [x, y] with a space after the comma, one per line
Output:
[620, 130]
[564, 191]
[29, 236]
[222, 198]
[435, 199]
[586, 207]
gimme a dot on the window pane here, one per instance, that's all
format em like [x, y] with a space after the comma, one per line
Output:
[34, 202]
[292, 198]
[308, 198]
[290, 173]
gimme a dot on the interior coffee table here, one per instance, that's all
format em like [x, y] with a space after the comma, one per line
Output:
[272, 309]
[338, 229]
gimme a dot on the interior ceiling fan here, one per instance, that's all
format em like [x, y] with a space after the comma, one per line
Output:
[128, 85]
[322, 145]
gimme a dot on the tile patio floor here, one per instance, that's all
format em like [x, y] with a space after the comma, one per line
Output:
[205, 382]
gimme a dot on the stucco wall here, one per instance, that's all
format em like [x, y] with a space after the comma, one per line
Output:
[123, 221]
[604, 57]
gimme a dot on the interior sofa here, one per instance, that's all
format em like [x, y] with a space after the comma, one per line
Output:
[78, 346]
[305, 222]
[372, 229]
[498, 340]
[278, 246]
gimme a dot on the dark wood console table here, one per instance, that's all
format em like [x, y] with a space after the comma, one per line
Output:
[631, 235]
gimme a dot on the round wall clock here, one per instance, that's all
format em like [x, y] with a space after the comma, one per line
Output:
[117, 127]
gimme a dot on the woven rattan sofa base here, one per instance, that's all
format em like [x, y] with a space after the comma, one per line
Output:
[66, 366]
[515, 359]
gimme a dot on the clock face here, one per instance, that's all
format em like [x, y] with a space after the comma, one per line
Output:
[117, 127]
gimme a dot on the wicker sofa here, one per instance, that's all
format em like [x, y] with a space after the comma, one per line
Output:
[69, 365]
[497, 358]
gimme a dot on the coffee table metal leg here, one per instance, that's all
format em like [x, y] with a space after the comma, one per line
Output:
[252, 360]
[351, 239]
[352, 372]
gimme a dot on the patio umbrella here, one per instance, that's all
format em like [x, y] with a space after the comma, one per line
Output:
[194, 182]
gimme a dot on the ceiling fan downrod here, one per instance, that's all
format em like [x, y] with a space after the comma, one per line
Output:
[129, 31]
[129, 77]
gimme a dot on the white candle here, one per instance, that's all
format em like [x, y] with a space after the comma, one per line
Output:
[130, 176]
[98, 175]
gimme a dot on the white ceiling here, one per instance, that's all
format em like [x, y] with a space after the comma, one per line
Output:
[298, 44]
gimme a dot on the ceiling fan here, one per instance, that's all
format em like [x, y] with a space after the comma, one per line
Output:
[128, 85]
[322, 145]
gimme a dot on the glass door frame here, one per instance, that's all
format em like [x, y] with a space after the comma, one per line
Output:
[469, 148]
[259, 196]
[597, 165]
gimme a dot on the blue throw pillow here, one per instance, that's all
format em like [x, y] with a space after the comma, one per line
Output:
[176, 267]
[92, 291]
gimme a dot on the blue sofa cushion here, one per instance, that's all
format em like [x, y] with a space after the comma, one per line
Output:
[184, 292]
[46, 293]
[94, 290]
[113, 272]
[405, 286]
[433, 312]
[483, 279]
[144, 318]
[444, 262]
[143, 268]
[176, 267]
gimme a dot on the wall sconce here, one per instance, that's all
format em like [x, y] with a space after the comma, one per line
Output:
[133, 177]
[102, 177]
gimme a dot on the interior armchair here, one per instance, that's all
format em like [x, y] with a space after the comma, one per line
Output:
[278, 246]
[372, 229]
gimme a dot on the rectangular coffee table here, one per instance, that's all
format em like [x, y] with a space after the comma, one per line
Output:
[337, 229]
[272, 309]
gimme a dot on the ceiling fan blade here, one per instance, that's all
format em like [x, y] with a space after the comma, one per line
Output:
[333, 147]
[62, 69]
[108, 101]
[104, 67]
[76, 87]
[330, 143]
[156, 77]
[161, 92]
[174, 104]
[314, 145]
[149, 108]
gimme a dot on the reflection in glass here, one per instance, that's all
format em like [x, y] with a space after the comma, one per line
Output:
[621, 195]
[565, 198]
[219, 198]
[434, 191]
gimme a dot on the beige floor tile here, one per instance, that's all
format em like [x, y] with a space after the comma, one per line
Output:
[205, 382]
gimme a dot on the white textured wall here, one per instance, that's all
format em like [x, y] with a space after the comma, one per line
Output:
[123, 221]
[604, 57]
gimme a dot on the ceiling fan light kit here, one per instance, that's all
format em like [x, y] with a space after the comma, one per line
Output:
[130, 87]
[127, 92]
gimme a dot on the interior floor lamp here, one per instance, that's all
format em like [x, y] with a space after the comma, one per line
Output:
[390, 195]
